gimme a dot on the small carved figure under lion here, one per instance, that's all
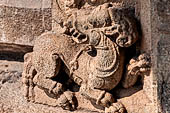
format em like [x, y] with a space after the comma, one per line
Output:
[91, 45]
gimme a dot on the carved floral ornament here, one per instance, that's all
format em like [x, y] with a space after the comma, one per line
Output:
[90, 49]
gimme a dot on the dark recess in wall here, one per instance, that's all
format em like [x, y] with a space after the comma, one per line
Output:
[12, 56]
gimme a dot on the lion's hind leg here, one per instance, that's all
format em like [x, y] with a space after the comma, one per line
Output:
[48, 67]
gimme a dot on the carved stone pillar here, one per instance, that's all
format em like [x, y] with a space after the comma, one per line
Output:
[155, 24]
[160, 41]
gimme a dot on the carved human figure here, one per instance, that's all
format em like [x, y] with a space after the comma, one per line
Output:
[92, 50]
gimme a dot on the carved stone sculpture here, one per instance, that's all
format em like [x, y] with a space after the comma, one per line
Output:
[90, 49]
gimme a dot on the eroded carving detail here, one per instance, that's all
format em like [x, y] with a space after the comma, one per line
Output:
[91, 46]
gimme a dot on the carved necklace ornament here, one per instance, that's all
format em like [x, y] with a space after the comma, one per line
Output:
[91, 46]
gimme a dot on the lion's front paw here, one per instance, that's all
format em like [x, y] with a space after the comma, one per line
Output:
[115, 108]
[68, 101]
[105, 99]
[139, 65]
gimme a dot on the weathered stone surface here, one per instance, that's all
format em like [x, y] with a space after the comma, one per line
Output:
[22, 21]
[143, 13]
[160, 44]
[15, 48]
[10, 71]
[27, 3]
